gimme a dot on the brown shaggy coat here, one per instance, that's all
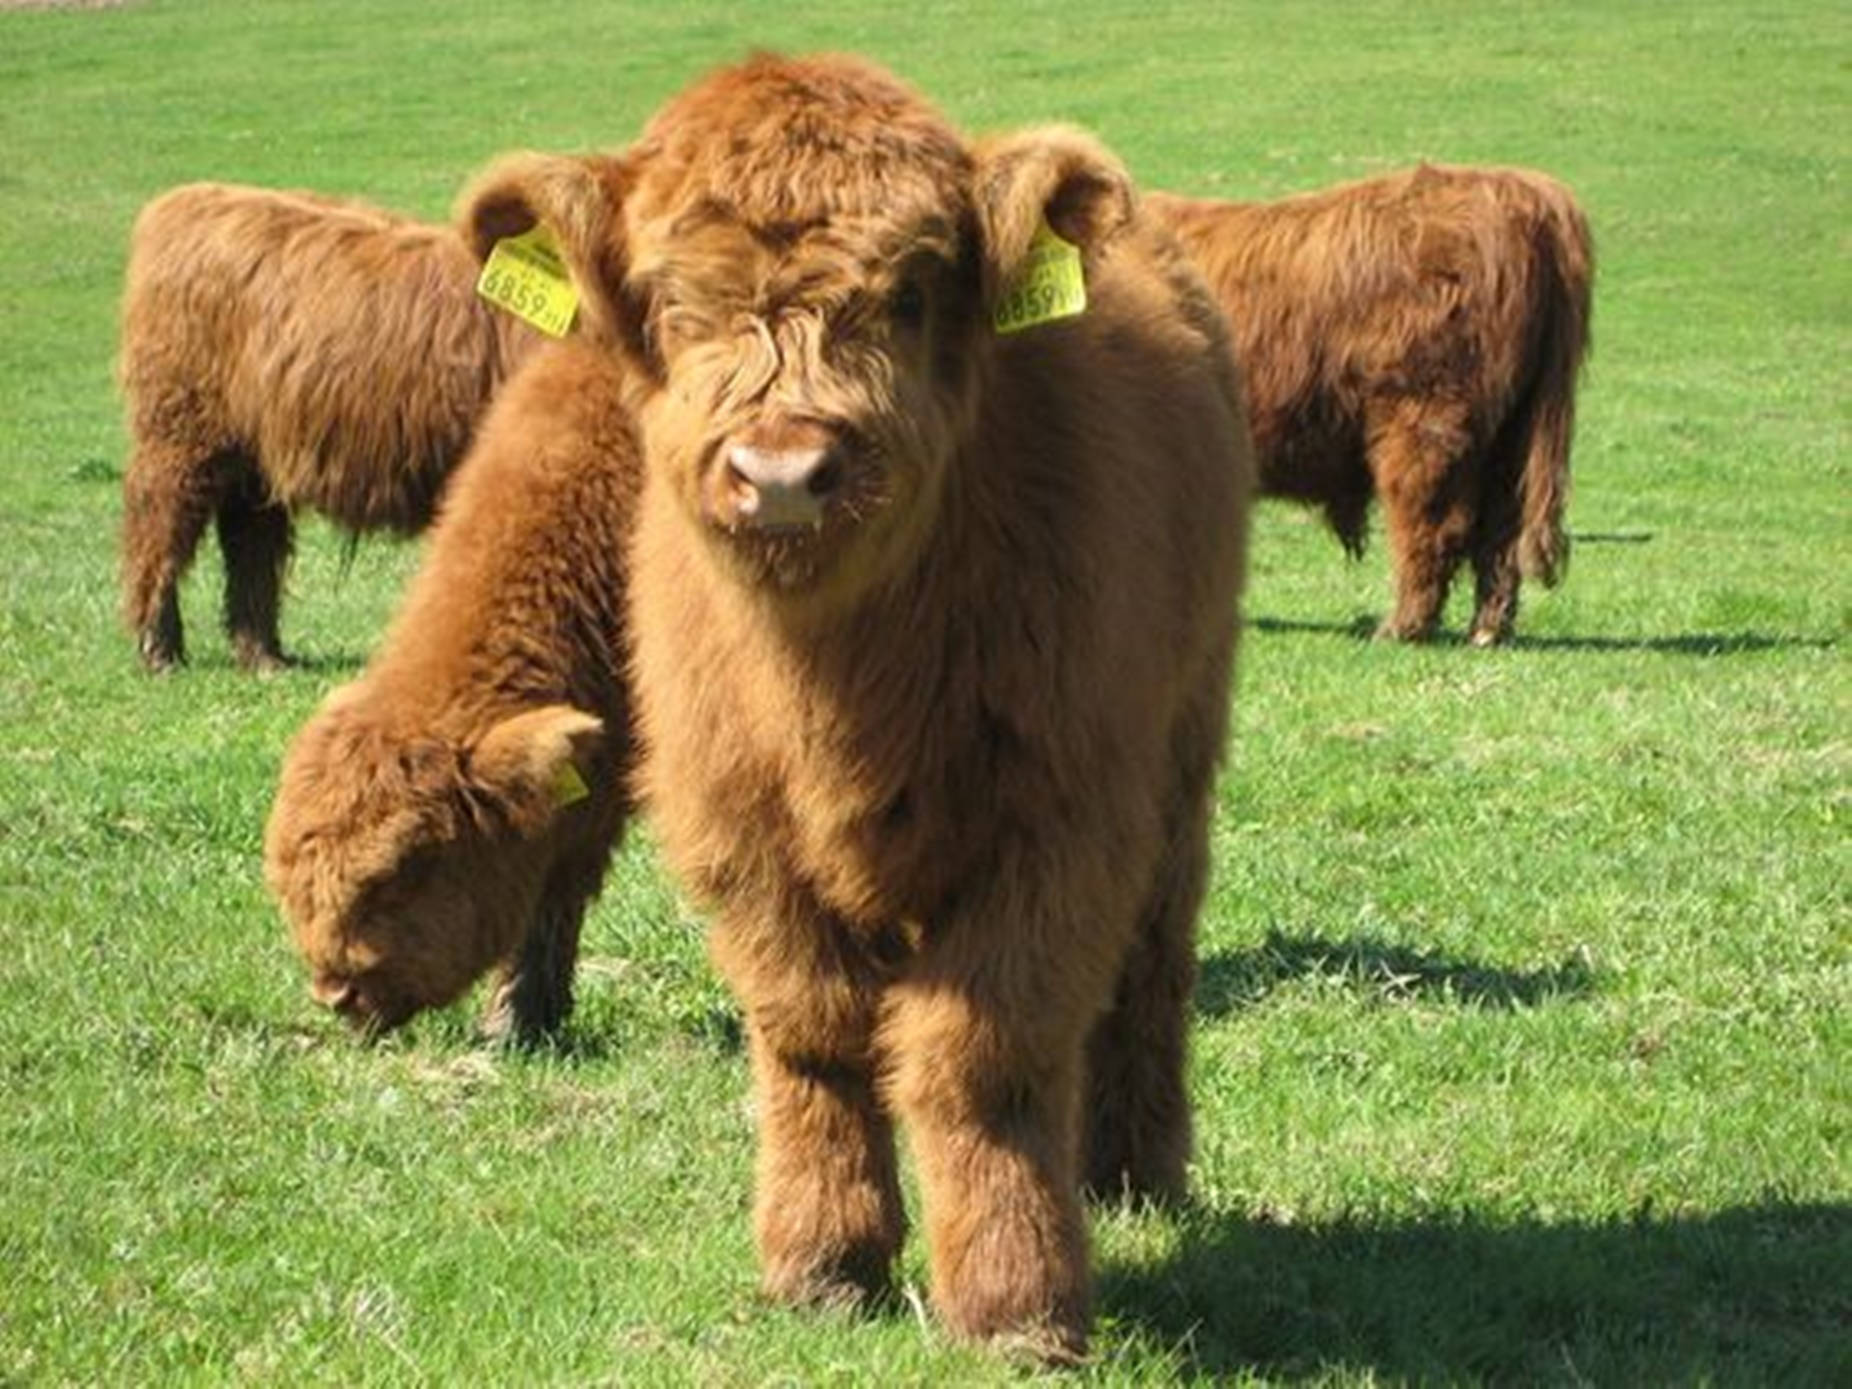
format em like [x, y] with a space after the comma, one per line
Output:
[282, 351]
[1416, 337]
[934, 630]
[455, 807]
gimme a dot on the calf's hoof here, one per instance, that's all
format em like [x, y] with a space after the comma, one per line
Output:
[1022, 1309]
[1391, 630]
[159, 657]
[522, 1014]
[256, 659]
[856, 1280]
[1488, 636]
[1054, 1339]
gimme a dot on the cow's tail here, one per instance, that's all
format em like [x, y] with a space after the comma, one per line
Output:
[1566, 266]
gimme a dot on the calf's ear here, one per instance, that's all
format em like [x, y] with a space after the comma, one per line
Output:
[1054, 174]
[580, 200]
[534, 764]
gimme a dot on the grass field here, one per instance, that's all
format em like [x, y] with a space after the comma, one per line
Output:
[1524, 1038]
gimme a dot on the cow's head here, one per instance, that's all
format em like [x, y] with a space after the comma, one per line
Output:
[404, 862]
[800, 259]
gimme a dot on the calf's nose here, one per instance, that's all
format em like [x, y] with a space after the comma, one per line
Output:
[332, 992]
[782, 488]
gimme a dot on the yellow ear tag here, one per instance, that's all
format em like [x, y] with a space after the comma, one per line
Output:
[525, 275]
[1048, 286]
[568, 786]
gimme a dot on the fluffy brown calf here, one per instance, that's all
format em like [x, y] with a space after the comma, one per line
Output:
[934, 630]
[279, 352]
[1416, 337]
[454, 808]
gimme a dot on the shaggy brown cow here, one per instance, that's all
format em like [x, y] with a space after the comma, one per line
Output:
[282, 351]
[1417, 336]
[455, 807]
[934, 630]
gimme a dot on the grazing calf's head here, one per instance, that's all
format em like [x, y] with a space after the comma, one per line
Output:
[398, 859]
[800, 260]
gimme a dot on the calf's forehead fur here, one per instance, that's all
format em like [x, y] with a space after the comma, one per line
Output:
[779, 146]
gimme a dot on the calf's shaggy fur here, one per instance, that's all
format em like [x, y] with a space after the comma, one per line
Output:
[282, 351]
[1417, 338]
[455, 807]
[934, 631]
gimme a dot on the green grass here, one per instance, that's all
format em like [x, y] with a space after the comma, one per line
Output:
[1524, 1041]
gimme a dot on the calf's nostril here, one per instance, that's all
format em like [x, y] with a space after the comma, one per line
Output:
[741, 490]
[780, 488]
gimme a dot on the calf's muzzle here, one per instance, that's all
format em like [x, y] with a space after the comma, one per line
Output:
[782, 481]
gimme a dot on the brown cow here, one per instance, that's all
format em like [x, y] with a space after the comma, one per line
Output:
[455, 807]
[934, 630]
[1417, 337]
[282, 351]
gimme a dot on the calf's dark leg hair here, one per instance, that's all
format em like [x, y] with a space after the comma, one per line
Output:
[255, 538]
[532, 996]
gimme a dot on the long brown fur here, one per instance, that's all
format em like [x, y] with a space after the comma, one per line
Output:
[429, 822]
[1415, 337]
[938, 757]
[282, 352]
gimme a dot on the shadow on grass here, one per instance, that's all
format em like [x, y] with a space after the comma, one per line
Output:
[218, 661]
[1758, 1294]
[328, 662]
[1232, 980]
[589, 1039]
[1610, 537]
[1362, 629]
[1696, 644]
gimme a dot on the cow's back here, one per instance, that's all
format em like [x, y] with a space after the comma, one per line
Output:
[526, 574]
[341, 347]
[1399, 287]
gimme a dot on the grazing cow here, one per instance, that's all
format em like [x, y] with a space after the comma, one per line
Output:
[455, 807]
[1417, 337]
[934, 628]
[282, 351]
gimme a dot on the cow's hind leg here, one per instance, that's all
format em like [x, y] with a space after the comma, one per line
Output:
[1495, 580]
[169, 492]
[1495, 541]
[1347, 512]
[827, 1207]
[255, 537]
[1421, 458]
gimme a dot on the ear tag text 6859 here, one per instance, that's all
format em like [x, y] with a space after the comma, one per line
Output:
[525, 275]
[1049, 285]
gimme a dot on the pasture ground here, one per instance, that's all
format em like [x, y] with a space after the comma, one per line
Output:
[1524, 1040]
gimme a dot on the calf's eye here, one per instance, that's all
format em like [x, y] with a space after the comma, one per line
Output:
[908, 306]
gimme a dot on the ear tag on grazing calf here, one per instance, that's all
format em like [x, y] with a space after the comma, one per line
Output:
[568, 786]
[525, 275]
[1048, 286]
